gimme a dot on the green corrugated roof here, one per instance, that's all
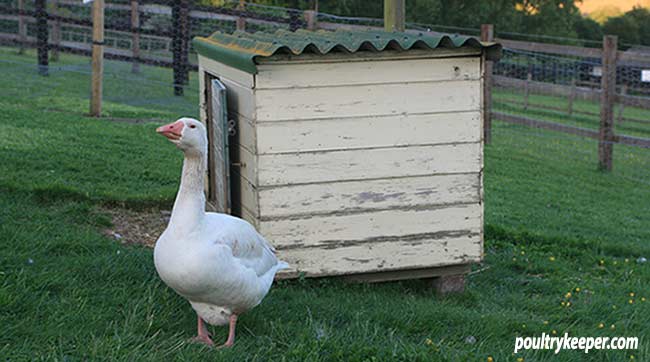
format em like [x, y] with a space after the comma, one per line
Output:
[241, 49]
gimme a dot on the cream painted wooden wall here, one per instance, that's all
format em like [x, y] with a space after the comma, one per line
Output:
[362, 166]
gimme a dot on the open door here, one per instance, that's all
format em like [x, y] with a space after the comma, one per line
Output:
[219, 193]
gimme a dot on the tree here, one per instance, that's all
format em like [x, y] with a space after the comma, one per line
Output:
[549, 17]
[642, 18]
[625, 27]
[587, 28]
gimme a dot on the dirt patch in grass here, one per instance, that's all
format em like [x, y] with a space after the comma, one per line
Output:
[136, 227]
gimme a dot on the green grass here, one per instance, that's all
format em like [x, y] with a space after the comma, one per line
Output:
[553, 224]
[631, 128]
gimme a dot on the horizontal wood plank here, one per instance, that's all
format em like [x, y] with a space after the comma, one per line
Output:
[248, 194]
[385, 256]
[368, 195]
[247, 160]
[284, 169]
[248, 216]
[334, 231]
[551, 48]
[367, 100]
[245, 133]
[404, 274]
[366, 72]
[552, 126]
[362, 132]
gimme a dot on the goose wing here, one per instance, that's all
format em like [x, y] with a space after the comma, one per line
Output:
[247, 245]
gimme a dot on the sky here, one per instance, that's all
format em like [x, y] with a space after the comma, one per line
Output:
[601, 9]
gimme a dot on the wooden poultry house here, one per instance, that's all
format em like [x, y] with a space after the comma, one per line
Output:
[353, 153]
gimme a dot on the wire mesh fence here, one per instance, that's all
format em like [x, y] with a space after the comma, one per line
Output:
[562, 94]
[150, 71]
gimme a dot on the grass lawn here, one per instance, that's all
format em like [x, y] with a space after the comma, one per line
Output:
[560, 115]
[557, 231]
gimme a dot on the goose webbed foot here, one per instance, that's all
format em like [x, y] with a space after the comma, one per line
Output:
[203, 334]
[231, 332]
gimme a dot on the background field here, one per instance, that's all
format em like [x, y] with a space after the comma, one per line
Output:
[554, 225]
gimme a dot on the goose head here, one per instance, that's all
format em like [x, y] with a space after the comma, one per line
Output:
[188, 134]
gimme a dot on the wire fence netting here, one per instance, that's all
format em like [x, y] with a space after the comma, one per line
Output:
[150, 71]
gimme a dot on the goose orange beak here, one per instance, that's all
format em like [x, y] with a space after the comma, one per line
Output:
[172, 131]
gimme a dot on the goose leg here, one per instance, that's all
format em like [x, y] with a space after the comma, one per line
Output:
[231, 332]
[203, 334]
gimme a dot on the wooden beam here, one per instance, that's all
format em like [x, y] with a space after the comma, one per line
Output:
[394, 15]
[621, 106]
[295, 21]
[135, 36]
[529, 78]
[241, 21]
[22, 27]
[607, 101]
[578, 131]
[97, 59]
[487, 35]
[631, 57]
[551, 126]
[185, 43]
[41, 36]
[56, 32]
[177, 47]
[551, 48]
[311, 17]
[633, 141]
[572, 97]
[393, 275]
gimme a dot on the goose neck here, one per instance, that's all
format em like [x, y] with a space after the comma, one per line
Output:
[189, 207]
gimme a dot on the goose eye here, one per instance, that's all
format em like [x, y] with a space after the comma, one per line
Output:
[192, 126]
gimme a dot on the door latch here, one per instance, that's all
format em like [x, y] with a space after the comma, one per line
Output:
[232, 127]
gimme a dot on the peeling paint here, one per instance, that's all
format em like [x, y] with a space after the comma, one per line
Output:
[376, 196]
[415, 239]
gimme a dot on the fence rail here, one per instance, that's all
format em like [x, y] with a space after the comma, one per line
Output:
[584, 93]
[624, 57]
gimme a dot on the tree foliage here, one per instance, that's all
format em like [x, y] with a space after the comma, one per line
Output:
[588, 28]
[642, 18]
[545, 17]
[625, 27]
[551, 17]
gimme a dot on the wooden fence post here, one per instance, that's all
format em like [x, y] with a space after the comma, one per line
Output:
[185, 43]
[41, 36]
[487, 35]
[177, 47]
[394, 15]
[621, 105]
[22, 26]
[56, 32]
[529, 77]
[607, 101]
[311, 19]
[135, 36]
[98, 59]
[295, 16]
[241, 21]
[311, 16]
[572, 96]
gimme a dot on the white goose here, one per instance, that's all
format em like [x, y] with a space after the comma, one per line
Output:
[219, 263]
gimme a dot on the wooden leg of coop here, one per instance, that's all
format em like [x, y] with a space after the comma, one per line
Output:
[449, 284]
